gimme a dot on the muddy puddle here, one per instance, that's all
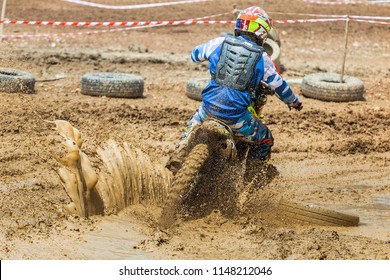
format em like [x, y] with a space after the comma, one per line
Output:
[115, 239]
[374, 220]
[348, 187]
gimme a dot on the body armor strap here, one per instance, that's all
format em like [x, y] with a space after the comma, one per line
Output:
[237, 63]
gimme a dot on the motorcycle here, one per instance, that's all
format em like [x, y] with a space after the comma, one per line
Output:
[211, 151]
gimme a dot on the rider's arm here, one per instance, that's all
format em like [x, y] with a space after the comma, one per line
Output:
[281, 87]
[202, 52]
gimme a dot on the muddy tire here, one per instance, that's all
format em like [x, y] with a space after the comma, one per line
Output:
[327, 87]
[16, 81]
[195, 87]
[112, 85]
[316, 215]
[182, 183]
[273, 50]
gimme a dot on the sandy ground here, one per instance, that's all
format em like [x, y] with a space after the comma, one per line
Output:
[333, 155]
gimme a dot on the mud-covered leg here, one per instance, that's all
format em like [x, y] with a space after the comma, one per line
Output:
[259, 154]
[260, 148]
[259, 138]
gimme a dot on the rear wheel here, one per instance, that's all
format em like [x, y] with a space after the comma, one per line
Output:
[182, 184]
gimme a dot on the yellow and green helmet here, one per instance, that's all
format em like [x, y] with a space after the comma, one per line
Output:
[254, 20]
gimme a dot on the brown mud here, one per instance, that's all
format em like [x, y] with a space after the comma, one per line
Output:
[333, 155]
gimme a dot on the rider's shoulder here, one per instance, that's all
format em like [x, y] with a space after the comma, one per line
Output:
[217, 40]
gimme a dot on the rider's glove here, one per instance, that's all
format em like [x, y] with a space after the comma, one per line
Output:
[297, 105]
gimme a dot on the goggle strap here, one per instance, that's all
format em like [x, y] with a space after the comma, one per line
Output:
[263, 23]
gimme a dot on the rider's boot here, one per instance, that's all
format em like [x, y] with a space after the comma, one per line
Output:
[258, 156]
[255, 164]
[182, 148]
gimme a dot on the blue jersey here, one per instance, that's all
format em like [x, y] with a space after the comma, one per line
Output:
[227, 103]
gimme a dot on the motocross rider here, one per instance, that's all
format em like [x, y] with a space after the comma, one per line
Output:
[237, 64]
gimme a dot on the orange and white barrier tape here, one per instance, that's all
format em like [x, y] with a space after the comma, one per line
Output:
[196, 21]
[307, 20]
[370, 17]
[116, 23]
[330, 16]
[145, 24]
[73, 34]
[129, 7]
[346, 2]
[331, 19]
[371, 21]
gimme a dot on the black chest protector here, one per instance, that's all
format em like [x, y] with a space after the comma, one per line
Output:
[237, 62]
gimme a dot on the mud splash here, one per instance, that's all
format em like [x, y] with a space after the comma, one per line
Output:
[127, 176]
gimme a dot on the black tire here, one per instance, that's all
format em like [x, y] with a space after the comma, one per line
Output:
[327, 87]
[317, 215]
[112, 85]
[182, 183]
[13, 81]
[273, 50]
[195, 87]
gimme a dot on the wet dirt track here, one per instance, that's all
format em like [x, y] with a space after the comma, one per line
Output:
[334, 155]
